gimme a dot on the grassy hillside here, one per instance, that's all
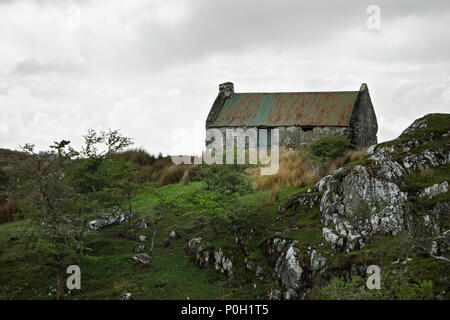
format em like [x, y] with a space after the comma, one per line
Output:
[241, 225]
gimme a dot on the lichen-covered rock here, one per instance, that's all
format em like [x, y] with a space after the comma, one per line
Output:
[126, 296]
[259, 273]
[222, 263]
[317, 260]
[138, 248]
[142, 224]
[294, 267]
[117, 217]
[435, 190]
[289, 270]
[308, 199]
[142, 258]
[173, 235]
[359, 202]
[368, 199]
[435, 222]
[196, 249]
[274, 294]
[427, 159]
[249, 263]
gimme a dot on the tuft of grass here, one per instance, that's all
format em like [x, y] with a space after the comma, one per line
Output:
[8, 209]
[273, 197]
[171, 174]
[138, 156]
[297, 168]
[185, 178]
[427, 173]
[349, 156]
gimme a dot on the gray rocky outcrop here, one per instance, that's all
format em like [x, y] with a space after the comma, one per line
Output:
[222, 263]
[295, 268]
[359, 202]
[142, 258]
[116, 217]
[196, 248]
[434, 190]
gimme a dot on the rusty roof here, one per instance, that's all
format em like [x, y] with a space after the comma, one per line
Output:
[287, 109]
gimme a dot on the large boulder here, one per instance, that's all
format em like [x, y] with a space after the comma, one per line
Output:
[359, 202]
[363, 200]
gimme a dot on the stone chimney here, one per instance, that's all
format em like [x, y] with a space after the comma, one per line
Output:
[363, 87]
[226, 89]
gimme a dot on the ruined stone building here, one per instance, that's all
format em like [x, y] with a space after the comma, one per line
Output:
[301, 117]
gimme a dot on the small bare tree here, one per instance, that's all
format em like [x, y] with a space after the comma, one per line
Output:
[58, 213]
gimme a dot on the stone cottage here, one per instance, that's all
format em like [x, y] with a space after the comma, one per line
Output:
[301, 117]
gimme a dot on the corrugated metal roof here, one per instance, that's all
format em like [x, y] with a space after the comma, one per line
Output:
[287, 109]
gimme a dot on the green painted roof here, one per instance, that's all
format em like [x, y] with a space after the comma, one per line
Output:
[287, 109]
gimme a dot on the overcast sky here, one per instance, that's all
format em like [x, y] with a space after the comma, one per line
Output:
[152, 68]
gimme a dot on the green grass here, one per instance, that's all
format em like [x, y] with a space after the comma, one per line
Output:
[189, 210]
[109, 270]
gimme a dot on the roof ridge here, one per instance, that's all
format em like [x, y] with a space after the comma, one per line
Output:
[284, 92]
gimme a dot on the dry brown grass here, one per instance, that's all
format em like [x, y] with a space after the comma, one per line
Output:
[7, 210]
[427, 173]
[349, 156]
[299, 168]
[171, 174]
[274, 194]
[182, 174]
[296, 169]
[185, 178]
[138, 156]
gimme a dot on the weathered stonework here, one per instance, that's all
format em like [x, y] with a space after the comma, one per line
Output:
[361, 128]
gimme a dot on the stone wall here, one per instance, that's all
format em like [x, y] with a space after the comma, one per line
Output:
[363, 123]
[296, 136]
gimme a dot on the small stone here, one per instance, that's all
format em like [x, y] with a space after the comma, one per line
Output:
[142, 238]
[142, 258]
[138, 248]
[142, 224]
[274, 294]
[173, 235]
[126, 296]
[259, 271]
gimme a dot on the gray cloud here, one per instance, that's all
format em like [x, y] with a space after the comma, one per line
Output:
[152, 67]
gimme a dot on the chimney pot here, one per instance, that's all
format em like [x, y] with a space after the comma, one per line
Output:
[227, 89]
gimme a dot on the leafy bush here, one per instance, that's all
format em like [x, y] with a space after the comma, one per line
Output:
[329, 148]
[228, 179]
